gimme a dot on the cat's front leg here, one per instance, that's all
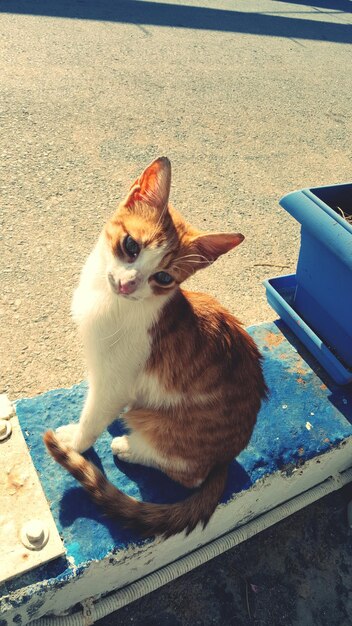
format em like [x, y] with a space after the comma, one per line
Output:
[99, 411]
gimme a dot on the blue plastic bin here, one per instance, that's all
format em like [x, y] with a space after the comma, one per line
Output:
[280, 293]
[323, 294]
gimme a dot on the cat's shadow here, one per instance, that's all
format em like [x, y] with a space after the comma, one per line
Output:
[152, 486]
[155, 486]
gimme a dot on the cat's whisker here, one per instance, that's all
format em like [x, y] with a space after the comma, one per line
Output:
[113, 334]
[117, 341]
[181, 269]
[197, 256]
[176, 267]
[184, 268]
[198, 261]
[194, 263]
[187, 264]
[187, 256]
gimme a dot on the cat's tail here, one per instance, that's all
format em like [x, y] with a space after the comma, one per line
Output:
[149, 519]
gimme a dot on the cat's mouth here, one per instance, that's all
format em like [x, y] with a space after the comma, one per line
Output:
[121, 289]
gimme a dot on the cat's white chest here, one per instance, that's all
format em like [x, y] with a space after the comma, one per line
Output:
[116, 338]
[117, 344]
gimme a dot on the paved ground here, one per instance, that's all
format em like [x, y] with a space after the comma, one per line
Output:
[250, 100]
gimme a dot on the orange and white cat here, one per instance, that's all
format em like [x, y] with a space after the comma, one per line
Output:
[190, 376]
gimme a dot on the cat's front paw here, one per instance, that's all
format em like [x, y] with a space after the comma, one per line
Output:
[70, 436]
[121, 448]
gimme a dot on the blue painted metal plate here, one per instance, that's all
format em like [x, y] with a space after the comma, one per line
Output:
[299, 393]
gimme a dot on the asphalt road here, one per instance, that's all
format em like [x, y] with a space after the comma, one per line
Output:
[250, 100]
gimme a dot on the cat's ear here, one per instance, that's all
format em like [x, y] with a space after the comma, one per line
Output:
[153, 186]
[212, 246]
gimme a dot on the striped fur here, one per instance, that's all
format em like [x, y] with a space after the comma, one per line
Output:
[189, 373]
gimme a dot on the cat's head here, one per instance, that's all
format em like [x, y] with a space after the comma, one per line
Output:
[151, 249]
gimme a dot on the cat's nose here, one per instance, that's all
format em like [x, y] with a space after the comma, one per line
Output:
[127, 286]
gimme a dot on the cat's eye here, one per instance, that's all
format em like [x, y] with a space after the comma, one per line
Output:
[131, 247]
[163, 278]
